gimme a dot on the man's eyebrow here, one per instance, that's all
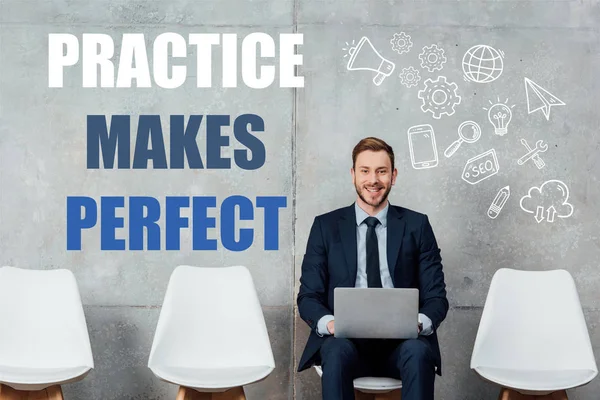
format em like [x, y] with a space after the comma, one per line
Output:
[376, 168]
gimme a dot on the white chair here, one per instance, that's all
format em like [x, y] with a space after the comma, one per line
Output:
[377, 388]
[211, 336]
[532, 337]
[44, 340]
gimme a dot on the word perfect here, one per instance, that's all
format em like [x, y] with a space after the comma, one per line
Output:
[162, 225]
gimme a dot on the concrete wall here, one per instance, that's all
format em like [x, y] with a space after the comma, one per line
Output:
[309, 137]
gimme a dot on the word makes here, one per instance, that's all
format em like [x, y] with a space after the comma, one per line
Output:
[150, 145]
[98, 50]
[145, 212]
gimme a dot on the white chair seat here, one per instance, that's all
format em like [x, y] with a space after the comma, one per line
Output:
[39, 378]
[213, 378]
[211, 334]
[43, 335]
[533, 336]
[371, 384]
[550, 380]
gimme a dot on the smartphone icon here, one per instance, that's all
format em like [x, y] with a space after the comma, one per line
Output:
[421, 142]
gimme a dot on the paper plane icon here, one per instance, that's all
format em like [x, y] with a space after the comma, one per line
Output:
[539, 98]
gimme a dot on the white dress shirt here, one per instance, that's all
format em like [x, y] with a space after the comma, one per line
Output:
[361, 273]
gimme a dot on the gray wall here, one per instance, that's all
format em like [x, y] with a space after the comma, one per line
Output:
[310, 134]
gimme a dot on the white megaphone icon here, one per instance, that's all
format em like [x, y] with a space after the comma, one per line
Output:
[369, 59]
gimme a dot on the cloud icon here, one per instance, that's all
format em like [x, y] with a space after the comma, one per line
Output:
[548, 201]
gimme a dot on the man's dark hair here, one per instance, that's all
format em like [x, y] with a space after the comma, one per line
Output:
[373, 144]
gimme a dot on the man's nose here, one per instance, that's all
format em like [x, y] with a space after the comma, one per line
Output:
[372, 177]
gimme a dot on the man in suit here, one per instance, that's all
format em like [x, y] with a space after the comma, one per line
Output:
[372, 244]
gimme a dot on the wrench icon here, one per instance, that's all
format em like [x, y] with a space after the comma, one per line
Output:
[540, 147]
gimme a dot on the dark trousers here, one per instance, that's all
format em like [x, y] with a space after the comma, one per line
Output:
[410, 360]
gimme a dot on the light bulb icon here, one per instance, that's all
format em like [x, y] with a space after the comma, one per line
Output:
[500, 115]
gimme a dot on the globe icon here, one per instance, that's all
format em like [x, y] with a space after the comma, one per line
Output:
[482, 64]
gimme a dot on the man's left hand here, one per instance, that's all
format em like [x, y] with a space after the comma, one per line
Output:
[425, 325]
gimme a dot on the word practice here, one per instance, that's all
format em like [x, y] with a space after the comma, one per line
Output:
[95, 56]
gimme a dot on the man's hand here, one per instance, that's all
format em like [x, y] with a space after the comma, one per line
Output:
[420, 327]
[331, 327]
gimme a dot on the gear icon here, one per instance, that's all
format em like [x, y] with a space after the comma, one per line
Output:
[439, 97]
[401, 43]
[432, 58]
[409, 77]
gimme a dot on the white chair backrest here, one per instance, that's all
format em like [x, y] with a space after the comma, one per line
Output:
[211, 318]
[533, 321]
[42, 323]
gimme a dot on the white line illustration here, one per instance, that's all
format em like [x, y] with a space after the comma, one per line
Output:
[432, 58]
[548, 201]
[500, 115]
[401, 43]
[539, 98]
[533, 154]
[366, 58]
[481, 167]
[410, 77]
[498, 202]
[439, 97]
[421, 143]
[482, 64]
[468, 131]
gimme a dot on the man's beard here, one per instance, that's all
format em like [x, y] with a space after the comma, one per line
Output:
[383, 198]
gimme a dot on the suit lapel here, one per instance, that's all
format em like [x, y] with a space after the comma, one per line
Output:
[347, 229]
[395, 231]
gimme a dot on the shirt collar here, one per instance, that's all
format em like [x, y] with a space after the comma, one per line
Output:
[361, 214]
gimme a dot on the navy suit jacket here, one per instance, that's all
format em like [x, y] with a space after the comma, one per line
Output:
[330, 261]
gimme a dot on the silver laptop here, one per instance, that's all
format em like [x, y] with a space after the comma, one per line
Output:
[376, 313]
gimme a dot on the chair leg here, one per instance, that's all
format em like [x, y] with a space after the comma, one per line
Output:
[393, 395]
[55, 393]
[236, 393]
[358, 395]
[560, 395]
[510, 394]
[186, 393]
[51, 393]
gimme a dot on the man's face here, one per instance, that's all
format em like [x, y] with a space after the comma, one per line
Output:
[373, 177]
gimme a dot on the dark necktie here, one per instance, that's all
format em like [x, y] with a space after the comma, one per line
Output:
[373, 274]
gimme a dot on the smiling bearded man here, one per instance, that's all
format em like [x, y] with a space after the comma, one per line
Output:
[373, 175]
[359, 246]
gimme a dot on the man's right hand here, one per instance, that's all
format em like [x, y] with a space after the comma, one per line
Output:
[331, 327]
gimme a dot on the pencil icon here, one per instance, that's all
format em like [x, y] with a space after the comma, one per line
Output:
[498, 203]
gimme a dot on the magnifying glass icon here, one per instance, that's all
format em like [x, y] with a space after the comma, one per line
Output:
[468, 132]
